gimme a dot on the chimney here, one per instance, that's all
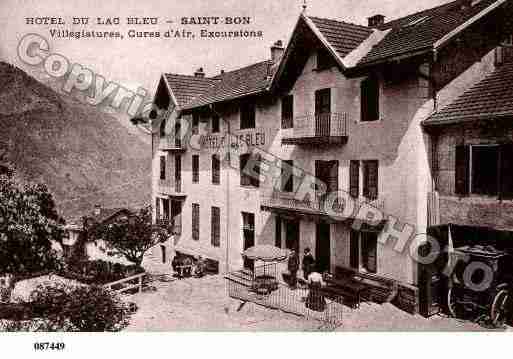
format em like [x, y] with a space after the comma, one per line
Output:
[222, 72]
[97, 209]
[277, 51]
[199, 72]
[376, 21]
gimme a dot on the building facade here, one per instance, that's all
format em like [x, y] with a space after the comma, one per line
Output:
[251, 156]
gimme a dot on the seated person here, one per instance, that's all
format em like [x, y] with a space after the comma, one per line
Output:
[199, 269]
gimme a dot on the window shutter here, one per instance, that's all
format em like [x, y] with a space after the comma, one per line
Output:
[462, 174]
[215, 169]
[215, 226]
[333, 179]
[354, 250]
[157, 208]
[354, 179]
[195, 168]
[506, 171]
[195, 221]
[370, 179]
[162, 167]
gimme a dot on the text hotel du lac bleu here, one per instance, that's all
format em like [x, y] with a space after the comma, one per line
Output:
[207, 27]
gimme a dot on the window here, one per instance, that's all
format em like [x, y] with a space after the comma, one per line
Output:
[370, 179]
[324, 60]
[162, 167]
[195, 168]
[249, 170]
[354, 179]
[322, 101]
[216, 227]
[247, 115]
[195, 221]
[216, 169]
[165, 209]
[215, 123]
[370, 99]
[287, 176]
[287, 112]
[163, 128]
[484, 170]
[369, 245]
[195, 123]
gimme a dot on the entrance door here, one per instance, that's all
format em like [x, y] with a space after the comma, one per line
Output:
[248, 237]
[322, 247]
[292, 235]
[322, 112]
[176, 216]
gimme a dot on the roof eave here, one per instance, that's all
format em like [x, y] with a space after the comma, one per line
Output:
[286, 55]
[446, 38]
[465, 119]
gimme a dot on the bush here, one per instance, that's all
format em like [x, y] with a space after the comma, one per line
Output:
[82, 308]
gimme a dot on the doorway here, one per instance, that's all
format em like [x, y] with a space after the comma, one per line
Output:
[292, 235]
[248, 237]
[322, 247]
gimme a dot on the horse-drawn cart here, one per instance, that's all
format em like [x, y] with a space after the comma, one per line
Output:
[481, 283]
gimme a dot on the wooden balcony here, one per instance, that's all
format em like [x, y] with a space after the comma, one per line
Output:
[319, 129]
[172, 144]
[314, 209]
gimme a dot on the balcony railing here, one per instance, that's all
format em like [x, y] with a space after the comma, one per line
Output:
[170, 143]
[322, 128]
[171, 187]
[289, 202]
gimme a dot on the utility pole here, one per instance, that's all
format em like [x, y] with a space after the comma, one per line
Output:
[228, 172]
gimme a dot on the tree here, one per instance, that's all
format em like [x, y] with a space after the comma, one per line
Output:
[80, 308]
[29, 222]
[132, 236]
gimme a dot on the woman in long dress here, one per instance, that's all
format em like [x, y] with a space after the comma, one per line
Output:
[315, 300]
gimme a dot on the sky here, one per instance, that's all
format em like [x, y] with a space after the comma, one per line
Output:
[139, 62]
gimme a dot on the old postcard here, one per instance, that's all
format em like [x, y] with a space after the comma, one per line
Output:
[245, 166]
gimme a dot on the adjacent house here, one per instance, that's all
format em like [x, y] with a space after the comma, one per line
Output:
[379, 114]
[77, 240]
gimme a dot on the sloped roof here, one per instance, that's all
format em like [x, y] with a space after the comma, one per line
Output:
[490, 98]
[186, 88]
[235, 84]
[433, 24]
[344, 37]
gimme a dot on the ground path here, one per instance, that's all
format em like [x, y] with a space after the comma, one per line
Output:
[201, 304]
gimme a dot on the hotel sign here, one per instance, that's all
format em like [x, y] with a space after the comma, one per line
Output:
[251, 139]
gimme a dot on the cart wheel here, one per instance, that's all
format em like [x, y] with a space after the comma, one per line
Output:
[451, 302]
[498, 311]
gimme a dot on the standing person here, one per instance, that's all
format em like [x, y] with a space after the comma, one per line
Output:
[308, 263]
[293, 267]
[315, 300]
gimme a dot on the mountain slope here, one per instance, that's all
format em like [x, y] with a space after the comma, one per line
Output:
[85, 156]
